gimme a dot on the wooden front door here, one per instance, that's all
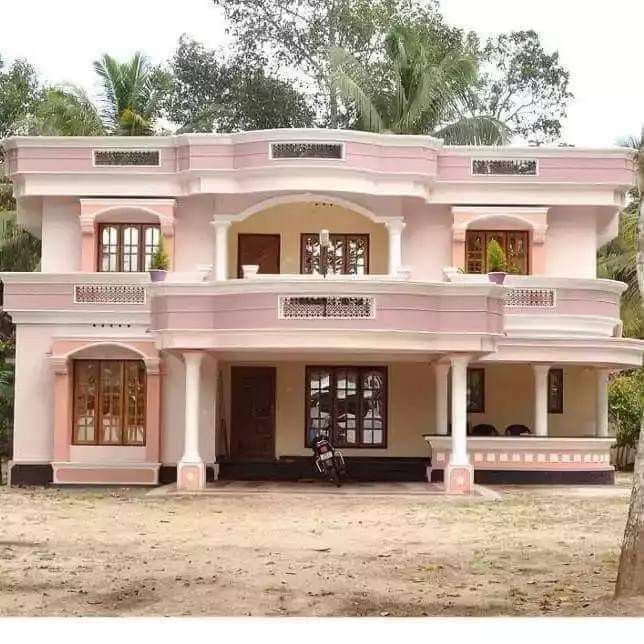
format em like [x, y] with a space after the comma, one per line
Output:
[253, 413]
[263, 250]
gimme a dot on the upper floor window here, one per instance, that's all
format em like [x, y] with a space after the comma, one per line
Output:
[348, 255]
[513, 242]
[109, 402]
[127, 247]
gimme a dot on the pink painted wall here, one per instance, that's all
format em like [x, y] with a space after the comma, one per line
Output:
[427, 227]
[571, 242]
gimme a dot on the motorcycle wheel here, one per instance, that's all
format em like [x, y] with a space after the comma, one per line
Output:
[334, 475]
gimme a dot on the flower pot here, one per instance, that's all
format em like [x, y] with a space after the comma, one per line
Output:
[249, 270]
[497, 277]
[157, 275]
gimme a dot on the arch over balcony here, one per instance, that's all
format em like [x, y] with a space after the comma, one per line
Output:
[136, 211]
[534, 219]
[283, 217]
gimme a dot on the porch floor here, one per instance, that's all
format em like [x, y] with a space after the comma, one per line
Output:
[312, 486]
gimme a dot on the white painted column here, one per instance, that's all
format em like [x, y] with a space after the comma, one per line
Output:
[191, 470]
[394, 228]
[541, 398]
[601, 408]
[459, 455]
[216, 412]
[220, 263]
[441, 374]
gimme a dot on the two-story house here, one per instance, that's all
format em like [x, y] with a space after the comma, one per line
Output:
[389, 338]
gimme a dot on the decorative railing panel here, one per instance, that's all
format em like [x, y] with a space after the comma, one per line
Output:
[109, 294]
[504, 167]
[326, 308]
[306, 151]
[530, 297]
[121, 158]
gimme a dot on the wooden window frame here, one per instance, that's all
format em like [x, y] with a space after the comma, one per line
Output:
[121, 226]
[345, 236]
[333, 369]
[478, 231]
[99, 400]
[480, 409]
[557, 408]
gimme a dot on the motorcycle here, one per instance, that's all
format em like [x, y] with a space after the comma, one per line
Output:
[329, 460]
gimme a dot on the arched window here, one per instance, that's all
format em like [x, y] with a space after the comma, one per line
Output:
[109, 402]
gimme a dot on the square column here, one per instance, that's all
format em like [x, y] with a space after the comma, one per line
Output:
[459, 473]
[191, 469]
[220, 263]
[601, 408]
[541, 398]
[394, 228]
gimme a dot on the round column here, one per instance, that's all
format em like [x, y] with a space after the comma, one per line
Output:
[541, 398]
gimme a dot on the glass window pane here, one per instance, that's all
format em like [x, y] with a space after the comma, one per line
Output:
[373, 406]
[130, 249]
[85, 402]
[476, 390]
[517, 255]
[151, 240]
[319, 404]
[111, 375]
[555, 391]
[109, 249]
[134, 423]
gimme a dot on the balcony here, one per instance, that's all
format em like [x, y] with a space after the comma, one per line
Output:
[344, 312]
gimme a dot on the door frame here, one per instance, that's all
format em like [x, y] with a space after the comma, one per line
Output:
[279, 249]
[233, 443]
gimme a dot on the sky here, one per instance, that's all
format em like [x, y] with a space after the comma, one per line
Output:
[597, 41]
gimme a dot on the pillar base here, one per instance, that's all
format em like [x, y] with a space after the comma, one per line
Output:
[459, 479]
[191, 476]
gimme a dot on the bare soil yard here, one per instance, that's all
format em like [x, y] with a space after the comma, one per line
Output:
[539, 551]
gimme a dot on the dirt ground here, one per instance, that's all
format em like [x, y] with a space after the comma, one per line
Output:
[538, 551]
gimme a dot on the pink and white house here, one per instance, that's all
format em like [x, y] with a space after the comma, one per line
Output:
[229, 366]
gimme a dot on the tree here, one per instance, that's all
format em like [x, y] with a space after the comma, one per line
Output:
[630, 576]
[618, 258]
[208, 92]
[298, 34]
[130, 102]
[522, 86]
[20, 92]
[420, 90]
[132, 93]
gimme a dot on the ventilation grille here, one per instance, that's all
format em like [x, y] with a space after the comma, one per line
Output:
[530, 297]
[306, 150]
[126, 158]
[505, 167]
[109, 294]
[326, 308]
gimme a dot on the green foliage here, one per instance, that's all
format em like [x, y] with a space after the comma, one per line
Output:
[160, 260]
[521, 86]
[132, 94]
[495, 257]
[208, 94]
[297, 34]
[68, 112]
[626, 405]
[419, 94]
[6, 396]
[19, 94]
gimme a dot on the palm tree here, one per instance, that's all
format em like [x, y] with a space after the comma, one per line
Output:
[618, 258]
[421, 93]
[131, 93]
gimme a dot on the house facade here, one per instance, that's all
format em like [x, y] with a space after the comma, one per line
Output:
[391, 340]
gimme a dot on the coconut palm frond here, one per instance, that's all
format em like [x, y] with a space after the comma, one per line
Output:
[349, 78]
[68, 111]
[19, 249]
[475, 130]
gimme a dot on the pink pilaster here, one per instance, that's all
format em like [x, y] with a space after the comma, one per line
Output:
[62, 409]
[152, 413]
